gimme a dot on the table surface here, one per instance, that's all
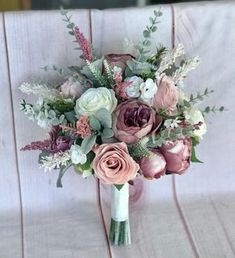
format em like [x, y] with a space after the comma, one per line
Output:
[176, 216]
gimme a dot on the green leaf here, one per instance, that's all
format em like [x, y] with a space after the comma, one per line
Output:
[43, 154]
[70, 25]
[119, 187]
[71, 33]
[193, 157]
[154, 28]
[104, 117]
[88, 143]
[63, 11]
[195, 140]
[146, 34]
[107, 133]
[87, 166]
[94, 123]
[70, 116]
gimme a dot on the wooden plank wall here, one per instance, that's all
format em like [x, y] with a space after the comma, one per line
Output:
[187, 216]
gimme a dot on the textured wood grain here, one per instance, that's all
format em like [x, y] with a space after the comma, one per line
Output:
[57, 222]
[10, 226]
[156, 227]
[210, 36]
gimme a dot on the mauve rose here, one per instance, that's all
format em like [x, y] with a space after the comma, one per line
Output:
[153, 166]
[119, 60]
[133, 120]
[113, 164]
[167, 94]
[177, 155]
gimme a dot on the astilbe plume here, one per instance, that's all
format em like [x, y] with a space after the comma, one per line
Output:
[84, 44]
[54, 144]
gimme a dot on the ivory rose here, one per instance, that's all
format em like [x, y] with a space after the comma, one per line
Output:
[133, 120]
[113, 164]
[177, 155]
[94, 99]
[153, 166]
[167, 94]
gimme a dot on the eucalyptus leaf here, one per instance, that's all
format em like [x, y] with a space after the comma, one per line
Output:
[70, 116]
[107, 133]
[88, 143]
[94, 123]
[104, 117]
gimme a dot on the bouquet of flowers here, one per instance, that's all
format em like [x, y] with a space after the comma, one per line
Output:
[119, 116]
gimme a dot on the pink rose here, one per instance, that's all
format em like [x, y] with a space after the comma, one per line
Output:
[177, 155]
[167, 95]
[153, 166]
[119, 60]
[113, 164]
[73, 89]
[133, 120]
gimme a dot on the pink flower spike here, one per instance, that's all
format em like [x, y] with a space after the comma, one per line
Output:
[84, 44]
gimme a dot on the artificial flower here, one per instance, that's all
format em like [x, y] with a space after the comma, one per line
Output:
[94, 99]
[148, 89]
[77, 156]
[119, 60]
[133, 89]
[71, 88]
[113, 164]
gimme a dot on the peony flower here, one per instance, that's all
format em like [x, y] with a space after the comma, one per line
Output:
[133, 120]
[177, 155]
[77, 156]
[113, 164]
[167, 94]
[94, 99]
[195, 117]
[153, 166]
[71, 88]
[148, 90]
[133, 90]
[119, 60]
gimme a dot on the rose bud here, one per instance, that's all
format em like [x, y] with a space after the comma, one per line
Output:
[177, 155]
[132, 120]
[167, 94]
[153, 166]
[72, 89]
[119, 60]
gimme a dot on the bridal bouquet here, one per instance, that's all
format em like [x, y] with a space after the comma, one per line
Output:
[119, 116]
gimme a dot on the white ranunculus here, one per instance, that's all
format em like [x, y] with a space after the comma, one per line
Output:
[194, 117]
[133, 90]
[94, 99]
[77, 156]
[148, 89]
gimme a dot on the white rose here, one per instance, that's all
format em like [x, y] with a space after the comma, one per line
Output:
[148, 89]
[194, 117]
[94, 99]
[133, 90]
[77, 156]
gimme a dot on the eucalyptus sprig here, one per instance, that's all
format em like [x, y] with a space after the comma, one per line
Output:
[67, 19]
[200, 96]
[213, 109]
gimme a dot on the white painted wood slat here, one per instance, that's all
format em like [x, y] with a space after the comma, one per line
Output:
[204, 189]
[10, 219]
[57, 222]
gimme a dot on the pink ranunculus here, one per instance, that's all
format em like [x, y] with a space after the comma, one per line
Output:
[113, 164]
[133, 120]
[153, 166]
[167, 95]
[177, 155]
[119, 60]
[72, 89]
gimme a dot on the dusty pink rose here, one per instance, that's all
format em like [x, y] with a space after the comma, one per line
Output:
[177, 155]
[73, 89]
[153, 166]
[167, 95]
[119, 60]
[113, 164]
[133, 120]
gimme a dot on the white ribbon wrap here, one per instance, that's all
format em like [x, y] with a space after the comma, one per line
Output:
[120, 203]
